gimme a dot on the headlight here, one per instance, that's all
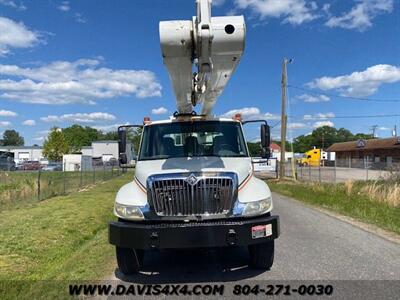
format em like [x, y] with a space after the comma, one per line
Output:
[128, 212]
[257, 207]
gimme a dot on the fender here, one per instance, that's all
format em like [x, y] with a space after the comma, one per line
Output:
[254, 190]
[132, 194]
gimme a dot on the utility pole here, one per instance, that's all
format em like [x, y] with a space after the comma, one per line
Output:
[283, 118]
[373, 128]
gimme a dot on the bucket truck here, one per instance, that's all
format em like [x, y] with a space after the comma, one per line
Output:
[193, 184]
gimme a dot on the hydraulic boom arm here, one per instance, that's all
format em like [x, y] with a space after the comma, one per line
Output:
[212, 46]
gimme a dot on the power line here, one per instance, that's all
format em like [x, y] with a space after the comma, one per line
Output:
[346, 117]
[276, 124]
[345, 97]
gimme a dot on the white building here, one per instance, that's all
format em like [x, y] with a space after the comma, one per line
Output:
[277, 155]
[24, 153]
[87, 150]
[105, 149]
[77, 162]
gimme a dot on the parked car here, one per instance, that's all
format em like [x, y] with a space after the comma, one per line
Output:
[44, 162]
[53, 167]
[30, 165]
[111, 162]
[97, 162]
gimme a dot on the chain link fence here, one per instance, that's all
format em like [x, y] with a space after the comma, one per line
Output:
[18, 187]
[339, 171]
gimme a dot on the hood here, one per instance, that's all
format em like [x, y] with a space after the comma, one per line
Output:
[240, 165]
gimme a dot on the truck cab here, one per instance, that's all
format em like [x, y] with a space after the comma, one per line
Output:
[311, 158]
[193, 188]
[193, 184]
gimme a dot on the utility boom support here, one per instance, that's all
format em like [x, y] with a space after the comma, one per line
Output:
[214, 45]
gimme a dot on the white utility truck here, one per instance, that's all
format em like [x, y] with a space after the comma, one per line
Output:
[193, 184]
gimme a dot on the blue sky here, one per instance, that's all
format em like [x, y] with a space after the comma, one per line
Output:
[98, 63]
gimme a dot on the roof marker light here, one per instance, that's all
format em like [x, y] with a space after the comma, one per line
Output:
[146, 120]
[238, 117]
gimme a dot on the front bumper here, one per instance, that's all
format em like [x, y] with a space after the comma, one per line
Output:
[162, 235]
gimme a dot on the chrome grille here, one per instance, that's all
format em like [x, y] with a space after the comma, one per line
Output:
[192, 194]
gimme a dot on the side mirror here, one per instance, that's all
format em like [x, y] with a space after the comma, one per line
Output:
[126, 135]
[265, 141]
[123, 160]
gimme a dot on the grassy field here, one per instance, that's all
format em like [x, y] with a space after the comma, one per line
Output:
[20, 188]
[59, 239]
[376, 203]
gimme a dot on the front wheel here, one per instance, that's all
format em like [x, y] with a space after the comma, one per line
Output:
[129, 261]
[262, 255]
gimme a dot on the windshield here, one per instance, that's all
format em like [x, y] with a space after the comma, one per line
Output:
[187, 139]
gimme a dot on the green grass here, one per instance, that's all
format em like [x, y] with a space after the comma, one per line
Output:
[60, 239]
[343, 199]
[21, 188]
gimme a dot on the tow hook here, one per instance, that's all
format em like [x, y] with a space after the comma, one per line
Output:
[231, 237]
[154, 240]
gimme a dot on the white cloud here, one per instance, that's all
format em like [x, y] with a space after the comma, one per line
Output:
[294, 12]
[43, 132]
[319, 116]
[383, 128]
[39, 138]
[64, 6]
[313, 98]
[81, 81]
[80, 117]
[7, 113]
[5, 124]
[159, 111]
[79, 18]
[107, 128]
[250, 113]
[15, 35]
[359, 84]
[29, 122]
[360, 17]
[296, 125]
[13, 4]
[323, 123]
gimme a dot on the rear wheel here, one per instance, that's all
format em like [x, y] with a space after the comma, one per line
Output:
[262, 255]
[130, 261]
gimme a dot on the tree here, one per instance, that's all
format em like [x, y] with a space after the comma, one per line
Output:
[363, 136]
[12, 138]
[55, 145]
[78, 136]
[111, 135]
[344, 135]
[303, 143]
[324, 137]
[254, 149]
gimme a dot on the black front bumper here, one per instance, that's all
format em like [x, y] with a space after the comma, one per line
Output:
[162, 235]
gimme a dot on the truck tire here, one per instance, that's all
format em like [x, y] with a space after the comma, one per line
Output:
[129, 261]
[262, 255]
